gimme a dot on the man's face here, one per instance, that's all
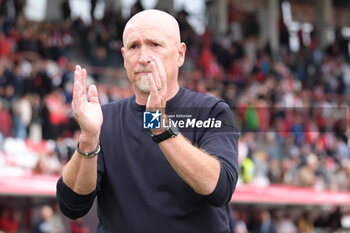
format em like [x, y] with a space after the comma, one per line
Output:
[142, 41]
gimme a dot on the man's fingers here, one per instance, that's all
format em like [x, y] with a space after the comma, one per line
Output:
[161, 71]
[93, 94]
[79, 82]
[156, 75]
[153, 92]
[77, 86]
[152, 84]
[83, 78]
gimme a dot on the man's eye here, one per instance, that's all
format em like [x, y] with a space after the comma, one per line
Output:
[155, 45]
[133, 47]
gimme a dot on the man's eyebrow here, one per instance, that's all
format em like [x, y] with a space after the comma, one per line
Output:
[152, 40]
[130, 43]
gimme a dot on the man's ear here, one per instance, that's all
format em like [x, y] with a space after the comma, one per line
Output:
[122, 50]
[181, 53]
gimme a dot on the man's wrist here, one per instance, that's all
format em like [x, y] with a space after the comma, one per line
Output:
[158, 131]
[171, 131]
[88, 143]
[89, 154]
[163, 128]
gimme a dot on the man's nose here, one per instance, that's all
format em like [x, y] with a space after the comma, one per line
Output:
[145, 56]
[144, 59]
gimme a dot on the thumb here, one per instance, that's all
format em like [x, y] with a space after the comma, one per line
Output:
[93, 95]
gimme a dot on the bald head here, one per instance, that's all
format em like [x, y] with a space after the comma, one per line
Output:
[149, 19]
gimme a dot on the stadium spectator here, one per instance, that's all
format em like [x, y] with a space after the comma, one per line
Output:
[56, 220]
[5, 121]
[267, 224]
[43, 225]
[5, 45]
[77, 226]
[239, 222]
[285, 224]
[9, 220]
[305, 223]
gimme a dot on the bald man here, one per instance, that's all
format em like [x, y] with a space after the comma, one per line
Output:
[153, 180]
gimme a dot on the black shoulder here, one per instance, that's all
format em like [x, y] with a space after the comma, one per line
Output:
[202, 100]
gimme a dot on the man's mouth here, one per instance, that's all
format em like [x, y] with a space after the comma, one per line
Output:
[143, 71]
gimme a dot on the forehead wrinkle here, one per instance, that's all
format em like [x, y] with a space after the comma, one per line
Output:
[150, 38]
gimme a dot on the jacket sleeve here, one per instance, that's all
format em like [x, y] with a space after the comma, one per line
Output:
[223, 144]
[72, 204]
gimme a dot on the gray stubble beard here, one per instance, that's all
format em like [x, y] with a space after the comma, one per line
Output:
[143, 85]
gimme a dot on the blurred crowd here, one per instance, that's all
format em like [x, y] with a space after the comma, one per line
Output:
[275, 220]
[48, 220]
[290, 107]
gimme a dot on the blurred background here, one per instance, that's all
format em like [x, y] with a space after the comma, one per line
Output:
[282, 66]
